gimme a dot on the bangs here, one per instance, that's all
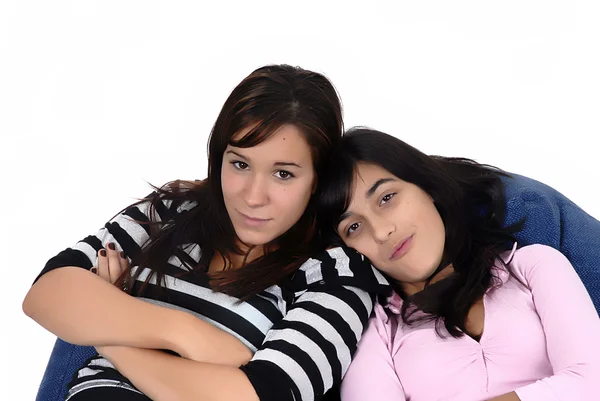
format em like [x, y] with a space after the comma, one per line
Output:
[259, 133]
[336, 189]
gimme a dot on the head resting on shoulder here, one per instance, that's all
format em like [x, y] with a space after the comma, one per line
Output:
[432, 224]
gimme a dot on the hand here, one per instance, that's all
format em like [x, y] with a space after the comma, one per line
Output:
[112, 265]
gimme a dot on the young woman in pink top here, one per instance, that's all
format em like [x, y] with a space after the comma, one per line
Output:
[473, 316]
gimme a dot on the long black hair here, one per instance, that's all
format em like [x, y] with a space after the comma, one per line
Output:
[267, 99]
[470, 200]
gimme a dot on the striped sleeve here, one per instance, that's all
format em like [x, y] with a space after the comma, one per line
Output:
[309, 350]
[126, 230]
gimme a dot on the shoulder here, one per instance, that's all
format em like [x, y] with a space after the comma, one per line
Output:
[340, 266]
[535, 253]
[168, 202]
[527, 258]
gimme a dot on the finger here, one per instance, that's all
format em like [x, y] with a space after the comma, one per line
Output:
[114, 264]
[124, 268]
[123, 261]
[103, 265]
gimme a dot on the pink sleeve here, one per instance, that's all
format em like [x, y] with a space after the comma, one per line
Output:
[371, 375]
[571, 326]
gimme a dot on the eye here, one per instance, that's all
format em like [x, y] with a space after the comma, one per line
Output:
[284, 175]
[386, 198]
[240, 165]
[353, 227]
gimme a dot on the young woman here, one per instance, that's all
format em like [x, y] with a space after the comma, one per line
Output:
[229, 296]
[472, 316]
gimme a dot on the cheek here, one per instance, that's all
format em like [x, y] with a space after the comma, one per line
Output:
[438, 231]
[230, 183]
[367, 247]
[432, 249]
[294, 197]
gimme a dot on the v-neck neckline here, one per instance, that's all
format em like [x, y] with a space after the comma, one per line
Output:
[479, 339]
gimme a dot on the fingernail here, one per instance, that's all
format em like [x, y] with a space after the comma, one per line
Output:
[111, 246]
[122, 254]
[94, 270]
[103, 252]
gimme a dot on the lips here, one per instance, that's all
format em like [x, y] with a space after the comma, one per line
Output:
[402, 248]
[253, 221]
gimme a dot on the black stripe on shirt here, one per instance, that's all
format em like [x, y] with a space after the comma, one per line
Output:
[266, 307]
[68, 257]
[334, 319]
[207, 308]
[130, 247]
[328, 270]
[270, 382]
[136, 215]
[94, 242]
[307, 364]
[328, 348]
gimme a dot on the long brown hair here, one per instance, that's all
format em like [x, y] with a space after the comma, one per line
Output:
[268, 98]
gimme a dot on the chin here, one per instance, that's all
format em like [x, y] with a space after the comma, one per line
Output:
[254, 239]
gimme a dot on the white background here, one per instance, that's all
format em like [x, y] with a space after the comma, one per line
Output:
[98, 97]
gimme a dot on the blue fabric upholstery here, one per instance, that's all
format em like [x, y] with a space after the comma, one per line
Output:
[64, 361]
[552, 219]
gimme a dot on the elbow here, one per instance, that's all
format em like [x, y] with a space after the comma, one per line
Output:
[35, 307]
[38, 300]
[244, 356]
[29, 305]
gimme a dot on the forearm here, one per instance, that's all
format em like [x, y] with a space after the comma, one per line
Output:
[203, 342]
[164, 377]
[83, 309]
[87, 310]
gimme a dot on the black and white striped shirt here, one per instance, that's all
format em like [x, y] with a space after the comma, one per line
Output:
[303, 335]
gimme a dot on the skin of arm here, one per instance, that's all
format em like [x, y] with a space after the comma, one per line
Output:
[164, 377]
[87, 310]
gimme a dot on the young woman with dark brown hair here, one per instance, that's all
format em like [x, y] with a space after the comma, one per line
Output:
[223, 291]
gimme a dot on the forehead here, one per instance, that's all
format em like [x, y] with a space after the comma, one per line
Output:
[366, 175]
[288, 142]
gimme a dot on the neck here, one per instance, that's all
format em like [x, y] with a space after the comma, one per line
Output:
[413, 288]
[248, 255]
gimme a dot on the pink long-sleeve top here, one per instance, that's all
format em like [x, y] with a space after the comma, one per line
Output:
[541, 340]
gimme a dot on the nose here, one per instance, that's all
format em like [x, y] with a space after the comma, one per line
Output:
[382, 230]
[256, 194]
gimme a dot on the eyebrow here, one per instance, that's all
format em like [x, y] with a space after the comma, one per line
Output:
[344, 216]
[368, 194]
[377, 184]
[278, 164]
